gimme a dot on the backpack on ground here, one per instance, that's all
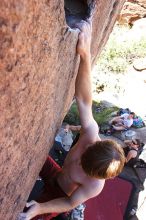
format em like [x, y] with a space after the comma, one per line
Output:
[138, 122]
[123, 111]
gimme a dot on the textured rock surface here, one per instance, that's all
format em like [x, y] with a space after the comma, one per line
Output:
[132, 11]
[38, 67]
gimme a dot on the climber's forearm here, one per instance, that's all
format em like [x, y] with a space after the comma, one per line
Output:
[83, 85]
[54, 206]
[83, 88]
[59, 205]
[83, 91]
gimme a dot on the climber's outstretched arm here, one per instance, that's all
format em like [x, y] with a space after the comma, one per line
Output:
[83, 85]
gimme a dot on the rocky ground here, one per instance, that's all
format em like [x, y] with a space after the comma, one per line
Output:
[128, 89]
[123, 90]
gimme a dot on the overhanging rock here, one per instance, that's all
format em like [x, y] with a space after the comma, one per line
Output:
[38, 65]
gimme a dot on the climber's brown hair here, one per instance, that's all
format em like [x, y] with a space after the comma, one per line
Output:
[104, 159]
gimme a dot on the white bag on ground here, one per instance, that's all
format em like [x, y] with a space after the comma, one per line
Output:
[78, 212]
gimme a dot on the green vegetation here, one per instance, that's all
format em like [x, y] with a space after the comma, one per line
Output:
[72, 116]
[121, 50]
[101, 114]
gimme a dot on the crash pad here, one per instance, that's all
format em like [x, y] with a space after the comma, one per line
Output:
[111, 203]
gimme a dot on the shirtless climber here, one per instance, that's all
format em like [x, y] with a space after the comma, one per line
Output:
[91, 160]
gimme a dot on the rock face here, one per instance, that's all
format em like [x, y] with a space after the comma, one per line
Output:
[132, 11]
[38, 66]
